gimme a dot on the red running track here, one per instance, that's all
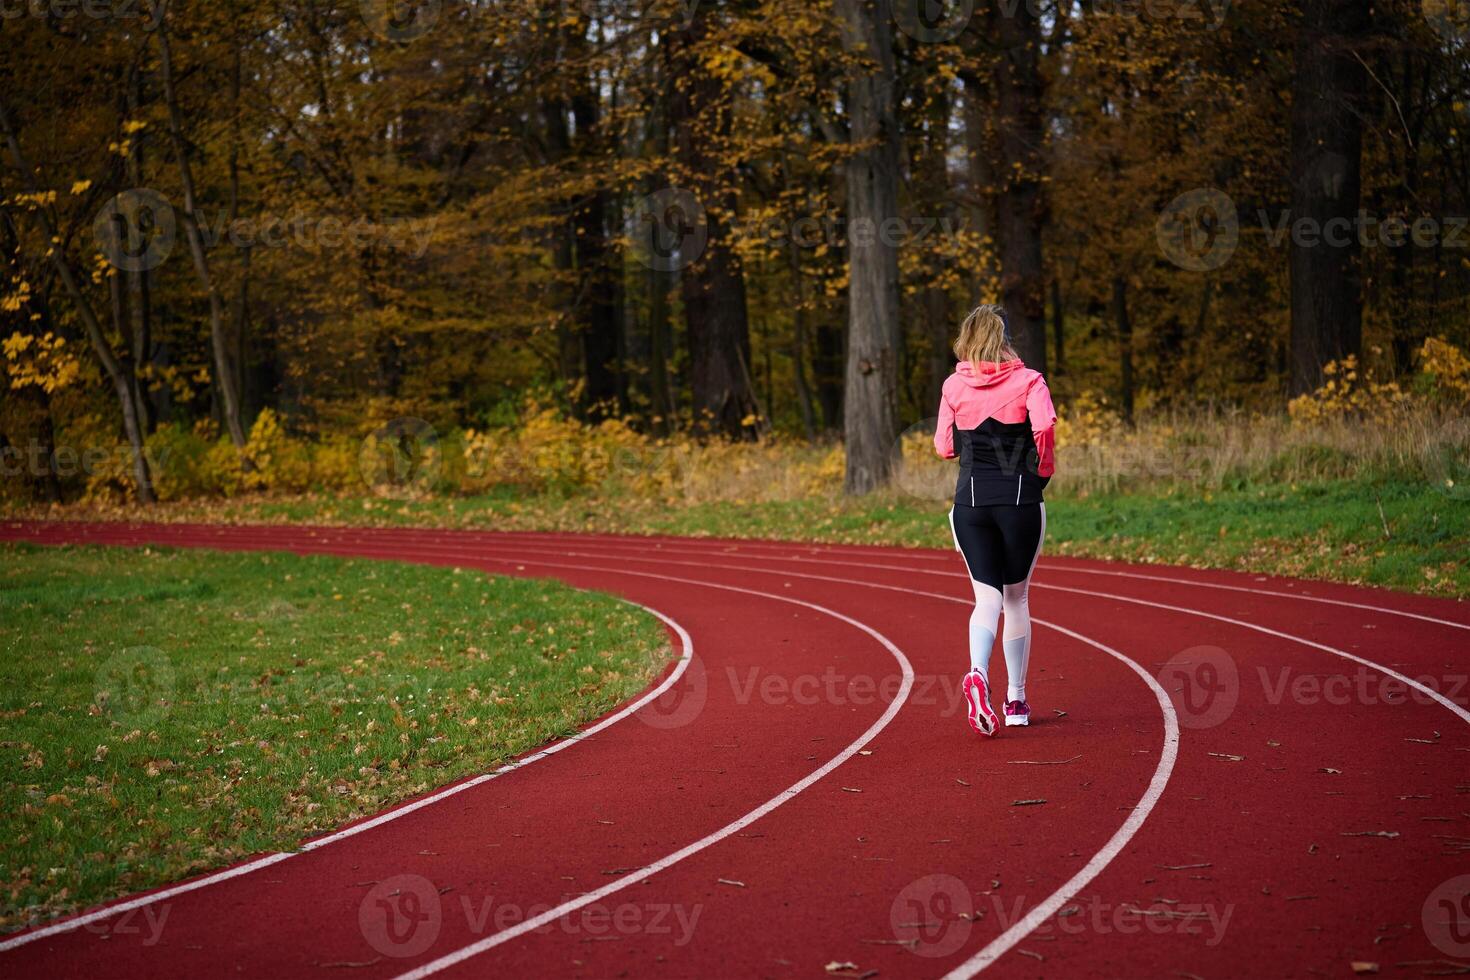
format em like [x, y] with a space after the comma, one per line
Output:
[1241, 776]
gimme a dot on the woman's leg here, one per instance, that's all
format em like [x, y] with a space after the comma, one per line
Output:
[1024, 532]
[978, 539]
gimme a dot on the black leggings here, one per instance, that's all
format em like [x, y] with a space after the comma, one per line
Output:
[1000, 542]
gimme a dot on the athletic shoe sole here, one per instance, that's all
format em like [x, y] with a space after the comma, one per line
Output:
[1013, 720]
[977, 695]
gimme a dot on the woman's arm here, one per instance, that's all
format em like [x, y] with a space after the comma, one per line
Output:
[1043, 426]
[944, 431]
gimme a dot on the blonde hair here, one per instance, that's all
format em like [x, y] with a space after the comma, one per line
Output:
[983, 336]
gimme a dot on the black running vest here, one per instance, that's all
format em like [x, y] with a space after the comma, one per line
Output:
[998, 465]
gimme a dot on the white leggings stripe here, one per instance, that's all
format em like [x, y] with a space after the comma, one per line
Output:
[1014, 602]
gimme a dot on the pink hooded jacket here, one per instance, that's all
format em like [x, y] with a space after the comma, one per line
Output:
[1007, 392]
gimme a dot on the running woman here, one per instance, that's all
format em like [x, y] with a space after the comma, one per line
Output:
[996, 415]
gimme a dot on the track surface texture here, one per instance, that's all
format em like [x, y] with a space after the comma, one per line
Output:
[1227, 775]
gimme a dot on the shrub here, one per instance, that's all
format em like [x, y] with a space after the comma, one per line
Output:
[179, 458]
[1444, 372]
[1348, 390]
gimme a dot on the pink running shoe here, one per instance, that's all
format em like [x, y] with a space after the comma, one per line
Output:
[977, 696]
[1017, 713]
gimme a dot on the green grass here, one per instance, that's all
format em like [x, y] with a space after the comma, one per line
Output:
[166, 712]
[1324, 529]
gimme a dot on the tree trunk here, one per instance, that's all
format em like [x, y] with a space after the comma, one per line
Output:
[980, 176]
[45, 474]
[140, 298]
[827, 371]
[1020, 206]
[1202, 318]
[1058, 325]
[713, 286]
[241, 317]
[224, 369]
[934, 195]
[1326, 160]
[660, 349]
[1125, 344]
[568, 338]
[940, 318]
[714, 303]
[871, 391]
[799, 343]
[658, 281]
[803, 387]
[599, 306]
[1406, 308]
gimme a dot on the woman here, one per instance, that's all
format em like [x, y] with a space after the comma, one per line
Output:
[996, 415]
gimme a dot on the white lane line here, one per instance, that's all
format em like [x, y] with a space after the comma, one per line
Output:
[551, 915]
[1044, 566]
[1387, 671]
[998, 946]
[1049, 906]
[67, 925]
[1130, 827]
[1168, 755]
[992, 951]
[1409, 681]
[1054, 902]
[1267, 592]
[730, 548]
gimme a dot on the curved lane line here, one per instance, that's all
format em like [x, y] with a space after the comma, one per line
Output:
[735, 826]
[691, 546]
[988, 954]
[1039, 914]
[1387, 671]
[1049, 906]
[67, 925]
[1044, 565]
[1167, 757]
[1276, 593]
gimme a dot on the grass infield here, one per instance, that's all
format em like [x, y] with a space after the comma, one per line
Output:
[167, 712]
